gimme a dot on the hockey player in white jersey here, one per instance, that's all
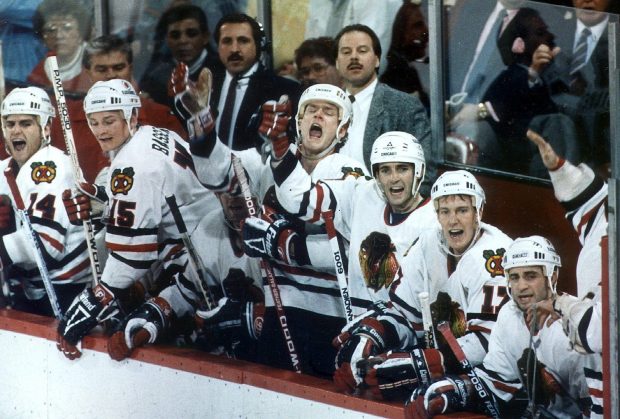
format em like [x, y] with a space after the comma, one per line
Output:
[42, 173]
[584, 196]
[148, 164]
[459, 265]
[380, 217]
[526, 373]
[301, 259]
[232, 278]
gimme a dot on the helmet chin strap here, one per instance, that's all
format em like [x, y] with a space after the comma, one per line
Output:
[319, 156]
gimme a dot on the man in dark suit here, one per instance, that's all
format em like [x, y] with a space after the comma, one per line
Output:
[246, 84]
[377, 107]
[187, 38]
[580, 80]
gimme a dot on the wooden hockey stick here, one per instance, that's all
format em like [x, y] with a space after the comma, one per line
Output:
[337, 253]
[482, 392]
[51, 68]
[34, 238]
[427, 320]
[271, 278]
[194, 258]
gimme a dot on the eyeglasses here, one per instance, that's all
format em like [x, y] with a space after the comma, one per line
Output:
[316, 68]
[52, 29]
[190, 33]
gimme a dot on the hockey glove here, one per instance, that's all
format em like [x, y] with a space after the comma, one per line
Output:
[273, 240]
[451, 394]
[78, 207]
[227, 323]
[274, 125]
[191, 100]
[7, 216]
[239, 287]
[88, 309]
[540, 384]
[399, 373]
[362, 338]
[153, 316]
[377, 258]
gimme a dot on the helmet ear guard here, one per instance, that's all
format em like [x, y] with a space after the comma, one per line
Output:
[533, 251]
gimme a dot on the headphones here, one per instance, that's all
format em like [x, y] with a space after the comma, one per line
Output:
[258, 32]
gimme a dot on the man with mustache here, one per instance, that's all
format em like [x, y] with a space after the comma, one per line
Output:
[246, 84]
[377, 107]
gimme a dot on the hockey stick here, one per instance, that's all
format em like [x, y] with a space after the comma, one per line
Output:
[53, 73]
[271, 278]
[343, 283]
[32, 235]
[427, 320]
[194, 258]
[483, 394]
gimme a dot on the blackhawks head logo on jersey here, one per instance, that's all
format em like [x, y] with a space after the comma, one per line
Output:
[122, 180]
[377, 257]
[493, 262]
[43, 172]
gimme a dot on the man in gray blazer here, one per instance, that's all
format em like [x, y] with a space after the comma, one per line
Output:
[377, 108]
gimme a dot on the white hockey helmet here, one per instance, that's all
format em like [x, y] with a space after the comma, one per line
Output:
[331, 94]
[399, 147]
[458, 182]
[28, 101]
[112, 95]
[532, 251]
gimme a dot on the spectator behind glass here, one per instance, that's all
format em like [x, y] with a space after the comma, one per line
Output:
[316, 63]
[21, 48]
[63, 25]
[519, 99]
[378, 108]
[409, 42]
[246, 84]
[581, 88]
[187, 37]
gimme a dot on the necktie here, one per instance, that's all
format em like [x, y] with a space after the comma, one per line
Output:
[580, 53]
[478, 70]
[229, 104]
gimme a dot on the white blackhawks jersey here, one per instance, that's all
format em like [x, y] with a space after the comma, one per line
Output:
[41, 182]
[311, 288]
[359, 210]
[476, 282]
[584, 197]
[511, 336]
[154, 164]
[213, 244]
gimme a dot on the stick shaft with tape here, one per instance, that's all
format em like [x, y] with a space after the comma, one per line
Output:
[338, 254]
[271, 278]
[427, 320]
[482, 392]
[51, 67]
[34, 239]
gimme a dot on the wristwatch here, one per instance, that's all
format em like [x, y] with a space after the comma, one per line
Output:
[483, 112]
